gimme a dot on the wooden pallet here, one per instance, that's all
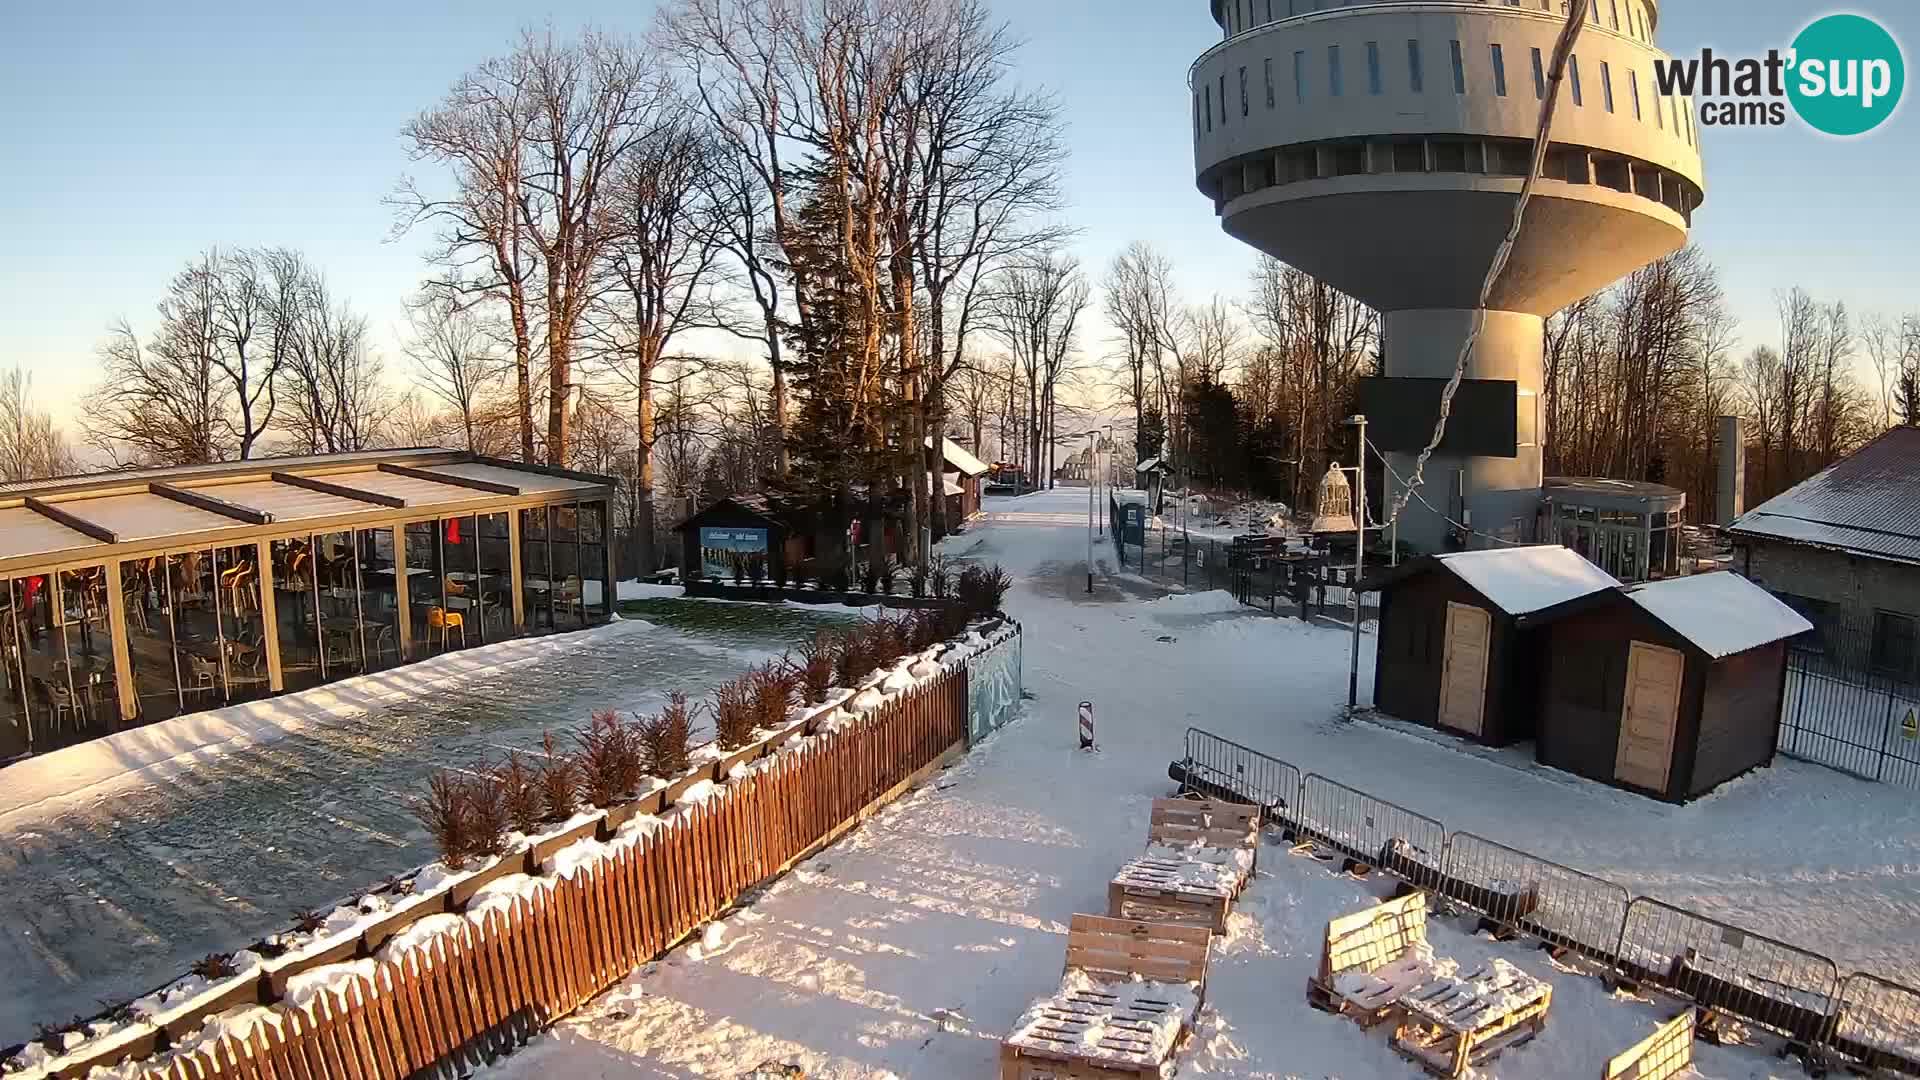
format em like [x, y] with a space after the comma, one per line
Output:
[1447, 1028]
[1108, 952]
[1149, 888]
[1209, 823]
[1364, 942]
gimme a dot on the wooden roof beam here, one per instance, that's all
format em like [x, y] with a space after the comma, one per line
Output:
[328, 487]
[490, 486]
[71, 520]
[211, 503]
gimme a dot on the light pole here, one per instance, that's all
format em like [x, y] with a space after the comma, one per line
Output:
[1107, 477]
[1093, 439]
[1359, 422]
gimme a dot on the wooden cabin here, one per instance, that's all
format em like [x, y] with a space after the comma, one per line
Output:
[1669, 688]
[735, 532]
[1451, 652]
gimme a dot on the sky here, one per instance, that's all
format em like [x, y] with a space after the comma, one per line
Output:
[138, 135]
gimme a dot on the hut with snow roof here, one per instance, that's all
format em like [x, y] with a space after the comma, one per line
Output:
[1669, 689]
[1452, 653]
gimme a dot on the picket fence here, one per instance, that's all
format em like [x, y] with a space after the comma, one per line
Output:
[481, 989]
[1860, 1019]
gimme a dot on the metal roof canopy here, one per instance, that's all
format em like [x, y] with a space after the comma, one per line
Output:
[101, 517]
[1867, 503]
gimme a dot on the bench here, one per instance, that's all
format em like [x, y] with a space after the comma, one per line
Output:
[1451, 1023]
[1127, 999]
[1200, 855]
[1372, 957]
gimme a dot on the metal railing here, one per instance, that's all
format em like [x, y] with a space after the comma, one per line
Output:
[1727, 970]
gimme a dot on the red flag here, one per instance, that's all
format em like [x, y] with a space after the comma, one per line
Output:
[34, 585]
[453, 530]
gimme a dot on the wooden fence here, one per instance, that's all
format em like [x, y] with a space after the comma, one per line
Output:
[486, 985]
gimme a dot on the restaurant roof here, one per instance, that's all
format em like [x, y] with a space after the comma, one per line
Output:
[73, 517]
[1867, 503]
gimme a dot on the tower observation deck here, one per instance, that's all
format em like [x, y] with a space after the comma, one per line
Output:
[1380, 145]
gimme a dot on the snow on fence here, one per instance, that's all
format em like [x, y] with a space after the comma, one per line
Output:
[1554, 903]
[1793, 991]
[1724, 968]
[464, 982]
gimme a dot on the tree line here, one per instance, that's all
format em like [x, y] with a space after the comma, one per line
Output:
[862, 193]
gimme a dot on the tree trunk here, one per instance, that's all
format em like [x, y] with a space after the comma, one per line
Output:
[643, 473]
[782, 461]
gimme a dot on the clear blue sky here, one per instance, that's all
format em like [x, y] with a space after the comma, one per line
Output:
[139, 134]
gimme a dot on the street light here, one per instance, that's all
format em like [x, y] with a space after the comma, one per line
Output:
[1093, 437]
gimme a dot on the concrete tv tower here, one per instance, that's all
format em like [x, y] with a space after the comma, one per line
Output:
[1380, 146]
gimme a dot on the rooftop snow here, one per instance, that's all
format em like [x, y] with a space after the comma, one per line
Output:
[1721, 613]
[1868, 502]
[958, 457]
[1523, 580]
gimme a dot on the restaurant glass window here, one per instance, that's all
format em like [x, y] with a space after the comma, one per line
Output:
[243, 632]
[426, 605]
[147, 592]
[193, 610]
[42, 653]
[16, 717]
[296, 610]
[563, 541]
[460, 624]
[379, 602]
[337, 599]
[535, 569]
[69, 660]
[495, 577]
[597, 591]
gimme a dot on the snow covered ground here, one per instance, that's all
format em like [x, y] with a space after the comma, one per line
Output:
[910, 948]
[124, 860]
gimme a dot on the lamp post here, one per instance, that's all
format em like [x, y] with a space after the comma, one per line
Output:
[1107, 476]
[1093, 439]
[1359, 422]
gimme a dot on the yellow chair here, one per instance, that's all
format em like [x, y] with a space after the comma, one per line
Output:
[441, 619]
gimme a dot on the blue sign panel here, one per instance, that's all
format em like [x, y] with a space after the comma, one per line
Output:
[725, 548]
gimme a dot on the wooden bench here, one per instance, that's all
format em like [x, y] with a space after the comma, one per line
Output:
[1393, 936]
[1127, 999]
[1667, 1052]
[1200, 855]
[1449, 1024]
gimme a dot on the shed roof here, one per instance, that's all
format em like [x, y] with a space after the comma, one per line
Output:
[1720, 613]
[958, 457]
[755, 506]
[1867, 503]
[1521, 580]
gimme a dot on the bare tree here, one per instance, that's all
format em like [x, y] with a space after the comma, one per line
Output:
[31, 447]
[159, 405]
[660, 276]
[456, 360]
[1034, 308]
[532, 139]
[1139, 303]
[243, 321]
[1799, 354]
[1760, 378]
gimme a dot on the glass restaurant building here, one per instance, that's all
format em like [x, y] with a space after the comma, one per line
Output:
[131, 597]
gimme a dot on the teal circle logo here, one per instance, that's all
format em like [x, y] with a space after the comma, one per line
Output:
[1848, 73]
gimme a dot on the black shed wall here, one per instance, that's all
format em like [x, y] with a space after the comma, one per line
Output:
[1740, 717]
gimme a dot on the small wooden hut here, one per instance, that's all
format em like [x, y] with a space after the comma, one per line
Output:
[1451, 652]
[734, 532]
[1669, 688]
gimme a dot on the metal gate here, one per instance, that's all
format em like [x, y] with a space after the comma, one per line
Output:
[1838, 711]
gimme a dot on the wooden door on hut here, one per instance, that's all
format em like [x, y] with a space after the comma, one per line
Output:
[1668, 688]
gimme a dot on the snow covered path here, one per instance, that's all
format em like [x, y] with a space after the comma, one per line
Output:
[910, 947]
[113, 889]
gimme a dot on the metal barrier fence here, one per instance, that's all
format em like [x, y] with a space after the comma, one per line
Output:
[1879, 1024]
[1412, 846]
[1793, 991]
[1720, 966]
[1222, 768]
[1555, 903]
